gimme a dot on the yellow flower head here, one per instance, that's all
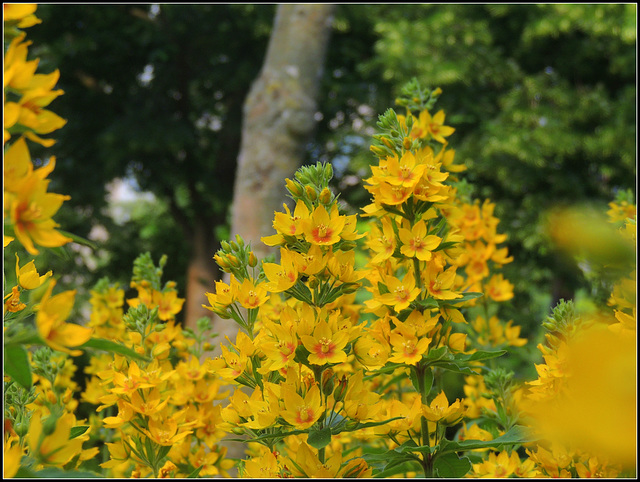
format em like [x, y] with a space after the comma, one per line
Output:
[401, 292]
[416, 243]
[435, 125]
[301, 412]
[50, 320]
[440, 411]
[252, 295]
[55, 448]
[323, 228]
[326, 345]
[281, 276]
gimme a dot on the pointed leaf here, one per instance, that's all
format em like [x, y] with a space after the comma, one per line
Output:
[77, 431]
[16, 365]
[112, 347]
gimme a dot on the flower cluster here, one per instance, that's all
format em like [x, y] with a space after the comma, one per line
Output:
[331, 372]
[588, 352]
[368, 346]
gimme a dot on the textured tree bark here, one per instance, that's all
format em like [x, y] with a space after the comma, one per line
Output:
[278, 122]
[279, 117]
[201, 276]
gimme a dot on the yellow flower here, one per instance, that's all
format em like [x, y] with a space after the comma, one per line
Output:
[499, 289]
[30, 210]
[50, 320]
[301, 412]
[12, 456]
[439, 283]
[407, 347]
[440, 411]
[598, 384]
[435, 125]
[326, 345]
[401, 292]
[279, 347]
[416, 243]
[263, 467]
[500, 465]
[129, 383]
[27, 276]
[323, 228]
[23, 13]
[281, 276]
[382, 243]
[151, 404]
[55, 448]
[164, 431]
[168, 304]
[252, 295]
[125, 413]
[12, 301]
[405, 172]
[311, 262]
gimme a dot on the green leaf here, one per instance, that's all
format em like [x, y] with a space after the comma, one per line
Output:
[16, 365]
[319, 439]
[79, 240]
[77, 431]
[112, 347]
[195, 473]
[459, 362]
[55, 473]
[450, 466]
[465, 297]
[517, 435]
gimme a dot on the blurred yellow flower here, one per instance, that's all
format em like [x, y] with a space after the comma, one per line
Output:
[52, 327]
[54, 448]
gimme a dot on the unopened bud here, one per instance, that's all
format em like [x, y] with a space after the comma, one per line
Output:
[349, 288]
[311, 192]
[233, 261]
[378, 151]
[21, 428]
[325, 196]
[222, 313]
[347, 245]
[341, 389]
[225, 245]
[234, 245]
[313, 282]
[328, 171]
[387, 142]
[49, 425]
[406, 143]
[253, 260]
[327, 382]
[294, 188]
[239, 240]
[221, 262]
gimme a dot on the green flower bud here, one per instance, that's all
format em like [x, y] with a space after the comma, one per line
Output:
[341, 389]
[253, 260]
[327, 384]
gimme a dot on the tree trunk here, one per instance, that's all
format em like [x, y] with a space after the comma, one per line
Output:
[201, 275]
[279, 118]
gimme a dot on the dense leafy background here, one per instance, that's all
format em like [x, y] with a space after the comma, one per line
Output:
[542, 98]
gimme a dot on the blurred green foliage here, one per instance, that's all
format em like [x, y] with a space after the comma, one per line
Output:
[542, 98]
